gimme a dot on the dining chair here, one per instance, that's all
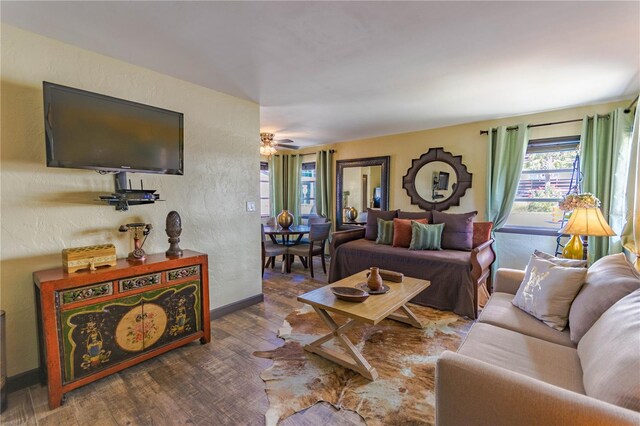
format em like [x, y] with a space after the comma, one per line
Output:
[316, 219]
[313, 220]
[270, 250]
[318, 236]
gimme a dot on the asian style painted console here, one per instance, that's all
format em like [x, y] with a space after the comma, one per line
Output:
[93, 324]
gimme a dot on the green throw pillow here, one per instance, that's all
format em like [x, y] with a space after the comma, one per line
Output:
[426, 237]
[385, 232]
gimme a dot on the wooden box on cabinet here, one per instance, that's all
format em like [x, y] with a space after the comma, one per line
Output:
[92, 324]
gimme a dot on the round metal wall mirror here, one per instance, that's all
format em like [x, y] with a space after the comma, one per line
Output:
[437, 180]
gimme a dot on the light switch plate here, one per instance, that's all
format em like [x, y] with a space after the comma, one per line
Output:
[251, 206]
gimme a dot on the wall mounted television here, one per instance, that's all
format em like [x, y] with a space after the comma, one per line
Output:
[86, 130]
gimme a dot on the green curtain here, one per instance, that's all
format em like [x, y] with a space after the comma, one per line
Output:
[631, 230]
[294, 171]
[324, 184]
[507, 147]
[276, 184]
[605, 150]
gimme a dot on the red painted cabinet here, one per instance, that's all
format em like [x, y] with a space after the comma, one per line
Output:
[92, 324]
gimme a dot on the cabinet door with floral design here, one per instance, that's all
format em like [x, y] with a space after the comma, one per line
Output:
[89, 341]
[175, 314]
[98, 336]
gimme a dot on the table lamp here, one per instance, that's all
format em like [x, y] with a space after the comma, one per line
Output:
[585, 222]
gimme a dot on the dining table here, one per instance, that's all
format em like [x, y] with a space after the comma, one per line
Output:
[289, 237]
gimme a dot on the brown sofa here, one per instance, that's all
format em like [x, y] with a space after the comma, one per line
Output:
[456, 276]
[513, 369]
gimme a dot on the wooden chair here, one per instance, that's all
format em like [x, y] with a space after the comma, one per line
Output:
[318, 236]
[313, 220]
[270, 250]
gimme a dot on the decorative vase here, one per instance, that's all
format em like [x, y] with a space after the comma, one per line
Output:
[285, 219]
[374, 282]
[173, 230]
[574, 248]
[351, 214]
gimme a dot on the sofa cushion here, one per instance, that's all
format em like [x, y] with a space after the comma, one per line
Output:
[458, 229]
[402, 231]
[574, 263]
[608, 280]
[547, 291]
[425, 237]
[371, 229]
[610, 354]
[555, 364]
[481, 232]
[415, 215]
[499, 311]
[385, 232]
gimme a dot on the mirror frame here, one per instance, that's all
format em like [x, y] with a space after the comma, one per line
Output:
[463, 179]
[362, 162]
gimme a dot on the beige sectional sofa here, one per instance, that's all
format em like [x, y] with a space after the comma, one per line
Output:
[512, 369]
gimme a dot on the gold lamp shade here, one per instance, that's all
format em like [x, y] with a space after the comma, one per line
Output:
[588, 221]
[584, 221]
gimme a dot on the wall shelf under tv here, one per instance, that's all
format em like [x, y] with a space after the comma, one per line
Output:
[122, 198]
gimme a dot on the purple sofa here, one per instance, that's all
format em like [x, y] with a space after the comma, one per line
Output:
[456, 276]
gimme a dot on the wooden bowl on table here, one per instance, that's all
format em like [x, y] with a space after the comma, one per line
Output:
[350, 294]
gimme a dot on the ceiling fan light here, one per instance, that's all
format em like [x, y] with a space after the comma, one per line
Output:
[267, 144]
[266, 138]
[267, 150]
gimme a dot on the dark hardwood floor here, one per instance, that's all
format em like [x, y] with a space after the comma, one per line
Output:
[214, 384]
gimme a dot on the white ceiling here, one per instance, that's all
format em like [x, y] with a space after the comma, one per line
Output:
[333, 71]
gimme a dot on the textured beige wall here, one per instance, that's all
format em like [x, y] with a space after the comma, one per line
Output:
[47, 209]
[465, 139]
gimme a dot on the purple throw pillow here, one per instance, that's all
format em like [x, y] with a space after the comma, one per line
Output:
[458, 229]
[371, 230]
[415, 215]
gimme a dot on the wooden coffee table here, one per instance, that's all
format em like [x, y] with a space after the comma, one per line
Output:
[373, 310]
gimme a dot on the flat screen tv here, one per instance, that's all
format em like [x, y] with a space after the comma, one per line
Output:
[86, 130]
[443, 181]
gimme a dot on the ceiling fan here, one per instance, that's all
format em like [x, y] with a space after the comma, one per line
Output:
[268, 144]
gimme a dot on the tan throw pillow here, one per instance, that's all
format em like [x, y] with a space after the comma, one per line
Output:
[610, 355]
[608, 280]
[547, 291]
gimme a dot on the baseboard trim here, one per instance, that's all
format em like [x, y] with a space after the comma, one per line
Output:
[23, 380]
[236, 306]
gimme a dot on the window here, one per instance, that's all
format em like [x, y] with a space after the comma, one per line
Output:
[308, 190]
[265, 205]
[547, 175]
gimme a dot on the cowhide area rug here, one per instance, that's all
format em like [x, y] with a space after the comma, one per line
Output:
[404, 356]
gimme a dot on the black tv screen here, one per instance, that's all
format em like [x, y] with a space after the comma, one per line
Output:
[443, 181]
[87, 130]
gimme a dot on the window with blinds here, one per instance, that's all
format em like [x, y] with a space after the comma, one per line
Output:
[545, 179]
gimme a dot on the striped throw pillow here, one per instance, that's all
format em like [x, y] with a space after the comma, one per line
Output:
[426, 237]
[385, 232]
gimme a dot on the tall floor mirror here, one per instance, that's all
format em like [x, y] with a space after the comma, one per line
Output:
[361, 184]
